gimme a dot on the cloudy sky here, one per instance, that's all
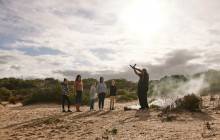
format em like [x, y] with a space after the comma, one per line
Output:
[62, 38]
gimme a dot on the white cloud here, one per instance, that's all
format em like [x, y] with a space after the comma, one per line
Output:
[77, 27]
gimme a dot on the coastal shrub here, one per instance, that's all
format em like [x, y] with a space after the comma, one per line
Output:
[44, 95]
[122, 92]
[189, 102]
[154, 106]
[13, 99]
[133, 96]
[5, 94]
[123, 98]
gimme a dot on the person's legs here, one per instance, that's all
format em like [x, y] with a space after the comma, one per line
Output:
[79, 94]
[113, 102]
[68, 100]
[77, 100]
[63, 103]
[103, 100]
[146, 102]
[111, 99]
[144, 99]
[93, 101]
[140, 97]
[99, 96]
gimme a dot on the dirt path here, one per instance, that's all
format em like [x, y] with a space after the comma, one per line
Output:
[47, 122]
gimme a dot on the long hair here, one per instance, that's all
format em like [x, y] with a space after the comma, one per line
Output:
[101, 79]
[64, 79]
[145, 76]
[77, 78]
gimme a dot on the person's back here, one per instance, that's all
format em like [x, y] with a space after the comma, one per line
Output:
[102, 91]
[101, 87]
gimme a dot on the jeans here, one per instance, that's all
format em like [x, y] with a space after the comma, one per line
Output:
[78, 96]
[92, 103]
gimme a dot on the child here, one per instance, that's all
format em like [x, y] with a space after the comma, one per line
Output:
[66, 94]
[113, 90]
[92, 96]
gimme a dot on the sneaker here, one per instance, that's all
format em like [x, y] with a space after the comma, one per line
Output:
[69, 111]
[142, 108]
[64, 111]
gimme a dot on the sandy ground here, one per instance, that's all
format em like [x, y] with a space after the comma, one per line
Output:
[47, 122]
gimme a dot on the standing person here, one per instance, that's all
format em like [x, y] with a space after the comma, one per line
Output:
[66, 94]
[92, 96]
[102, 91]
[113, 90]
[78, 89]
[142, 86]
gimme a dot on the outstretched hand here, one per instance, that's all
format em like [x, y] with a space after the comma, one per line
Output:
[133, 66]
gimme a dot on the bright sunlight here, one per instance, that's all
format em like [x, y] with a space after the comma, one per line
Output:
[144, 18]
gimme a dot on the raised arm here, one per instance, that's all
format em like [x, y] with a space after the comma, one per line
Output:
[135, 70]
[138, 70]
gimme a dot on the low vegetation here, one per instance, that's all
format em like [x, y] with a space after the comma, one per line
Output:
[190, 102]
[49, 89]
[154, 106]
[124, 96]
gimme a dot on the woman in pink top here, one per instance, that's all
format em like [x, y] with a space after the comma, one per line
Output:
[78, 89]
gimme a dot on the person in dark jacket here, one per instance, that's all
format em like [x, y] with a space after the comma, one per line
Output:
[66, 95]
[142, 86]
[113, 90]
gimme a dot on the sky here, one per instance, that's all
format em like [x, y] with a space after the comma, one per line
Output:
[63, 38]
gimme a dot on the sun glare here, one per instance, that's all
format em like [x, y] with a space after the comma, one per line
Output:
[143, 17]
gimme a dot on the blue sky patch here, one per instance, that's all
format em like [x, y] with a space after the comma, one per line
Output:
[35, 51]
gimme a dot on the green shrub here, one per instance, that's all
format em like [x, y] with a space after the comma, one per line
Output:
[154, 106]
[190, 102]
[52, 94]
[122, 92]
[115, 131]
[13, 99]
[5, 94]
[124, 98]
[133, 96]
[85, 98]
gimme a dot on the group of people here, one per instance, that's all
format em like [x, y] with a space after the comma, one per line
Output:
[100, 90]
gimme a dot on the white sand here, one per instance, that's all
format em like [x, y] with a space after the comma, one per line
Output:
[47, 122]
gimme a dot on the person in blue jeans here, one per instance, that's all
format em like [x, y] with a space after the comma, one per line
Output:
[78, 90]
[92, 96]
[66, 95]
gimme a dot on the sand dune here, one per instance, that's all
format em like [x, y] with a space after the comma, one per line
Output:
[45, 121]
